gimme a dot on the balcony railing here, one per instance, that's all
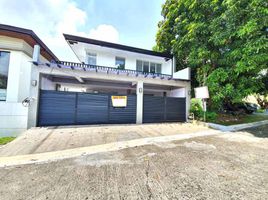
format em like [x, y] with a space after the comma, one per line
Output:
[112, 70]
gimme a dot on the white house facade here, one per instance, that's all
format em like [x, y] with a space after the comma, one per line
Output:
[112, 83]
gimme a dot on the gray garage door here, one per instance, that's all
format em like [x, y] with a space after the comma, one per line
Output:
[163, 109]
[73, 108]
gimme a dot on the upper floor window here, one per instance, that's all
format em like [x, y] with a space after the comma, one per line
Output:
[120, 62]
[152, 67]
[4, 64]
[158, 68]
[146, 66]
[91, 58]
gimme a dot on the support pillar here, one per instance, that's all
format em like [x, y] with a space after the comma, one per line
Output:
[34, 90]
[139, 110]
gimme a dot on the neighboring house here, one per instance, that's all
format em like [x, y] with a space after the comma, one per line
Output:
[16, 51]
[112, 84]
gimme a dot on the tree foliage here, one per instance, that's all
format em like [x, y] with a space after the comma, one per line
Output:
[223, 41]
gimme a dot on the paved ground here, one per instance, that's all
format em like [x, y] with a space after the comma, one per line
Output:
[227, 166]
[261, 131]
[40, 140]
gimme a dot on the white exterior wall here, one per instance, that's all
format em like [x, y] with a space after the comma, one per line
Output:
[47, 84]
[180, 92]
[13, 118]
[184, 74]
[13, 115]
[106, 57]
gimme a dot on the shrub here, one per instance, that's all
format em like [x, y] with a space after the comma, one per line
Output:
[211, 116]
[197, 110]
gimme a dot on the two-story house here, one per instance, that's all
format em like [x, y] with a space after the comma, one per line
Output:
[112, 83]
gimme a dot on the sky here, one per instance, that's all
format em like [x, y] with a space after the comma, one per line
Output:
[128, 22]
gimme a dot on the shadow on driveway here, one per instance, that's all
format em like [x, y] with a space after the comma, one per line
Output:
[261, 131]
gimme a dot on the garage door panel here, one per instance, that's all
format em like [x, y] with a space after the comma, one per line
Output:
[153, 109]
[68, 108]
[153, 117]
[175, 109]
[175, 104]
[56, 121]
[163, 109]
[56, 108]
[92, 108]
[126, 114]
[175, 117]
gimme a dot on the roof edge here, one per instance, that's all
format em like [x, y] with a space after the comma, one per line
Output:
[116, 46]
[31, 33]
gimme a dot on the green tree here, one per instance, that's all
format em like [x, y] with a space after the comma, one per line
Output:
[262, 94]
[223, 41]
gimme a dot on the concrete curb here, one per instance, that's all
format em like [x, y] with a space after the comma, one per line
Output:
[71, 153]
[236, 127]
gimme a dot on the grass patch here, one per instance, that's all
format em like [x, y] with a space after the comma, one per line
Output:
[227, 119]
[5, 140]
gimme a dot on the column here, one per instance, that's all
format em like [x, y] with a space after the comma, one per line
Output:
[139, 110]
[34, 90]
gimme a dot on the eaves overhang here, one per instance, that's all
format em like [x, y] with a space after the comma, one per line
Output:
[29, 37]
[72, 39]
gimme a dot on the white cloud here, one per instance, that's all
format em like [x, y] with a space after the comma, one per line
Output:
[105, 32]
[49, 19]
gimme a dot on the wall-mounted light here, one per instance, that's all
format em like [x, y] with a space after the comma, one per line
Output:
[34, 83]
[140, 90]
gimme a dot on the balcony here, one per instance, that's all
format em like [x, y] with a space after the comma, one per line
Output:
[105, 69]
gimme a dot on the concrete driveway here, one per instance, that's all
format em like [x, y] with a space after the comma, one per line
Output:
[224, 166]
[39, 140]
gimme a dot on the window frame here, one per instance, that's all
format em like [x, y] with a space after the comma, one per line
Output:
[8, 64]
[139, 66]
[91, 55]
[122, 59]
[157, 66]
[143, 63]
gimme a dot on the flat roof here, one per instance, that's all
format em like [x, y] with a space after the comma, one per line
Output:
[73, 39]
[28, 36]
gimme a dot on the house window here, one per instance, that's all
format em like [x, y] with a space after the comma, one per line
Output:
[91, 58]
[139, 65]
[120, 63]
[152, 67]
[158, 68]
[146, 66]
[4, 64]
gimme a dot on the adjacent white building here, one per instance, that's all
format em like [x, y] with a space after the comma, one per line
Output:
[36, 89]
[16, 51]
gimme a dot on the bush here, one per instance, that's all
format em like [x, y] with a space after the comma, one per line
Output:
[197, 110]
[211, 116]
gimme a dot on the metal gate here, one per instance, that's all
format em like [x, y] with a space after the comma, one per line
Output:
[74, 108]
[164, 109]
